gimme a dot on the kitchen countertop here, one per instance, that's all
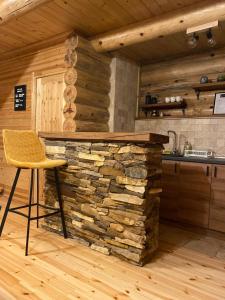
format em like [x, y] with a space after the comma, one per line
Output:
[217, 161]
[145, 137]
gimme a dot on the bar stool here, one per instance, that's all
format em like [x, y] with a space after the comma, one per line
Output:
[24, 150]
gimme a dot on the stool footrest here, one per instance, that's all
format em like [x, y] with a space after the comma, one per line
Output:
[15, 211]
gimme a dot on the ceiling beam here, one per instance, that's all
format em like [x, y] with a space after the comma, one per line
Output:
[10, 9]
[160, 26]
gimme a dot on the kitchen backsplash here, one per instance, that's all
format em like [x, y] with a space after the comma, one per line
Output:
[203, 134]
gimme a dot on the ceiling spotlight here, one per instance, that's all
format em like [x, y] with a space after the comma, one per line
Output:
[211, 40]
[193, 40]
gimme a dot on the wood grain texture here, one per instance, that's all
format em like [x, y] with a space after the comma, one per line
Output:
[217, 204]
[87, 101]
[183, 268]
[176, 78]
[186, 192]
[194, 193]
[17, 8]
[89, 19]
[107, 136]
[163, 25]
[19, 70]
[170, 191]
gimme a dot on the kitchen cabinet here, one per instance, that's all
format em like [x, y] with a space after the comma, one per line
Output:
[186, 192]
[217, 204]
[170, 193]
[194, 193]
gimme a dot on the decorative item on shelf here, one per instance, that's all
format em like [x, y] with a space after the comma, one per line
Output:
[219, 104]
[155, 113]
[179, 99]
[204, 79]
[173, 99]
[167, 100]
[149, 99]
[161, 114]
[221, 77]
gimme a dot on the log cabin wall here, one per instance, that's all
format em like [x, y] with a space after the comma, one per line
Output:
[87, 87]
[20, 69]
[87, 79]
[175, 78]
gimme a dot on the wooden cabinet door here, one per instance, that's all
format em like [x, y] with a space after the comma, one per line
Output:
[170, 193]
[194, 193]
[217, 204]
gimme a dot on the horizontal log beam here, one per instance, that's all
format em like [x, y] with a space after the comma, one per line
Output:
[160, 26]
[15, 8]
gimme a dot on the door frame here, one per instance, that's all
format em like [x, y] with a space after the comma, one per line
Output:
[35, 77]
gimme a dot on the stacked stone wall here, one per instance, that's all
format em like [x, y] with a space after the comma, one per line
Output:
[111, 196]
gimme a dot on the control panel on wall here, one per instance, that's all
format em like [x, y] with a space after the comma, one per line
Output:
[20, 92]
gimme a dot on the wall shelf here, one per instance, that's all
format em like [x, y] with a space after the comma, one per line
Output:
[212, 86]
[164, 106]
[183, 117]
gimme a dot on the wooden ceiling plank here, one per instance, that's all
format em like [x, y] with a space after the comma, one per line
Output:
[115, 11]
[68, 20]
[38, 22]
[136, 9]
[163, 25]
[85, 15]
[32, 34]
[15, 8]
[152, 7]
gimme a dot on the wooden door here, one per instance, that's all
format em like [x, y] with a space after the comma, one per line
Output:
[170, 190]
[49, 103]
[217, 204]
[194, 193]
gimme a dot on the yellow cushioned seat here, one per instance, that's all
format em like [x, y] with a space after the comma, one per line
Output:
[23, 149]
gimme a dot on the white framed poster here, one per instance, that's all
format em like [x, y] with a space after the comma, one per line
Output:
[219, 104]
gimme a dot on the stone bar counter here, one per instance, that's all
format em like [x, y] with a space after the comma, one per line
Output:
[111, 190]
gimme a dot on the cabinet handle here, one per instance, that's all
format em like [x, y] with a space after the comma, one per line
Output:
[215, 172]
[207, 171]
[175, 168]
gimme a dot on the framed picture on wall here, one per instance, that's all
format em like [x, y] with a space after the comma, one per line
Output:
[219, 104]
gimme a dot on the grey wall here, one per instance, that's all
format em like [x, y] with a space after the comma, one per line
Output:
[123, 95]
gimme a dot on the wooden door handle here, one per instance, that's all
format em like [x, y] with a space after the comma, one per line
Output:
[215, 172]
[175, 168]
[207, 171]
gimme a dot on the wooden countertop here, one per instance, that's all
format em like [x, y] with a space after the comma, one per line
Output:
[145, 137]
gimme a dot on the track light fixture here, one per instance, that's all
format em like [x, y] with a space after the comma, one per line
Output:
[193, 40]
[203, 29]
[211, 40]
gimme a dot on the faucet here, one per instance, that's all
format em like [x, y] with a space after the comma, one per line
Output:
[175, 151]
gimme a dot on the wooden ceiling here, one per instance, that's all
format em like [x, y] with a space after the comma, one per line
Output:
[172, 46]
[92, 17]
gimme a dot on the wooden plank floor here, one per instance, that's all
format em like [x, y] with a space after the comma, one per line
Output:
[187, 266]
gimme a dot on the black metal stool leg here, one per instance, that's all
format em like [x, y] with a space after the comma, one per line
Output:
[37, 197]
[29, 210]
[60, 202]
[9, 200]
